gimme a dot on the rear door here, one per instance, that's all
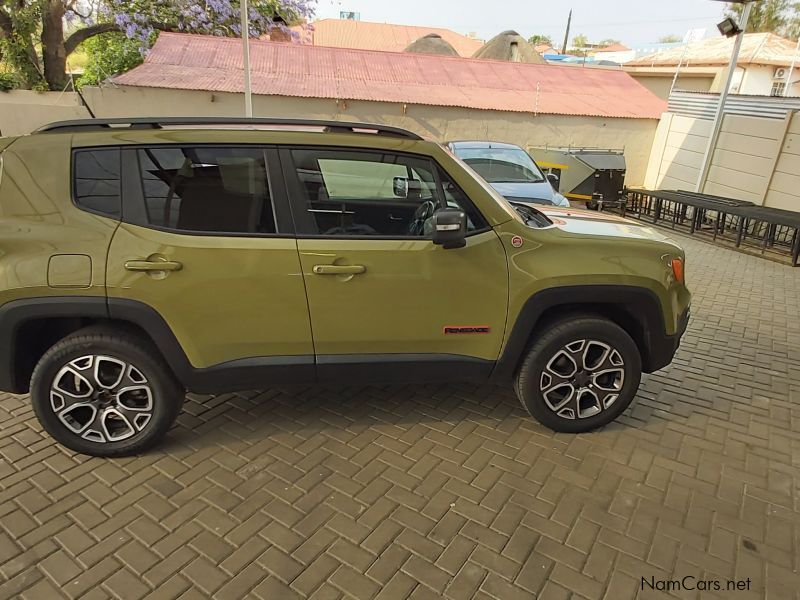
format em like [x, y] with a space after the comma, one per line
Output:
[385, 302]
[208, 245]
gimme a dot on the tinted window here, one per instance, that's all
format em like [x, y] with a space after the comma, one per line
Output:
[366, 193]
[203, 189]
[97, 175]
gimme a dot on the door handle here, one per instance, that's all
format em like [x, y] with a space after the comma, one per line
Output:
[339, 269]
[153, 265]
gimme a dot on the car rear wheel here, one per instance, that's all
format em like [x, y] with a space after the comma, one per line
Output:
[105, 393]
[579, 374]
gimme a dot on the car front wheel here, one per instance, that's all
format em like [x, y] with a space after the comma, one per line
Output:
[104, 392]
[579, 374]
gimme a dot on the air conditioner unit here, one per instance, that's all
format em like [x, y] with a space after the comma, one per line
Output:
[780, 73]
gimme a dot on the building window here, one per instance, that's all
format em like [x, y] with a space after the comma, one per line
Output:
[778, 88]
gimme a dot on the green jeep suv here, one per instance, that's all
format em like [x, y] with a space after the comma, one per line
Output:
[141, 258]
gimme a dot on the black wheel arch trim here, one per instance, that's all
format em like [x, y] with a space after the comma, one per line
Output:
[639, 303]
[15, 314]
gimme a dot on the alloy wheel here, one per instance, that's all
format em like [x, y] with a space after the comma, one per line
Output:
[582, 379]
[102, 398]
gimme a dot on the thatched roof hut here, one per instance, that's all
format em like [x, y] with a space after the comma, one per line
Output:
[511, 47]
[432, 43]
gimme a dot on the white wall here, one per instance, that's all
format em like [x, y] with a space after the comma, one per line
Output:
[677, 155]
[784, 187]
[756, 159]
[435, 122]
[745, 156]
[757, 80]
[22, 111]
[661, 84]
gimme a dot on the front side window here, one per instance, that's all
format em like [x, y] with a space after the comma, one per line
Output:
[502, 165]
[206, 189]
[371, 193]
[96, 175]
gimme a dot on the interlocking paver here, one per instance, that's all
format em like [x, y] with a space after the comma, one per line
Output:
[441, 490]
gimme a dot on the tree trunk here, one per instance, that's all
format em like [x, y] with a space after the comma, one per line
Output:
[53, 53]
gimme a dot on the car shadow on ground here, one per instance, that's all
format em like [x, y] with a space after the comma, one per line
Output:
[356, 415]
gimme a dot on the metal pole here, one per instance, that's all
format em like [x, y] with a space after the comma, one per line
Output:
[248, 90]
[791, 69]
[678, 70]
[723, 97]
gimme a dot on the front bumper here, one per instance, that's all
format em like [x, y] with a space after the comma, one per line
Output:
[663, 347]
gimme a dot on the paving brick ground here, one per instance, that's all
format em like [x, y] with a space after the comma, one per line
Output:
[441, 491]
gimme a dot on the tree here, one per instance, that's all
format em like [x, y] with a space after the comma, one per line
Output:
[608, 42]
[580, 41]
[35, 42]
[538, 39]
[670, 39]
[109, 54]
[774, 16]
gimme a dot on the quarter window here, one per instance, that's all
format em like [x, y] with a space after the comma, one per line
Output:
[206, 189]
[96, 178]
[367, 193]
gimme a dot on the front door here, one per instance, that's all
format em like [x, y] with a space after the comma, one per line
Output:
[207, 245]
[385, 302]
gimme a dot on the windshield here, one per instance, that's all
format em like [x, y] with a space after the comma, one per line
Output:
[505, 204]
[502, 165]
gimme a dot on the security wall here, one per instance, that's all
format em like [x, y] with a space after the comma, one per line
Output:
[755, 158]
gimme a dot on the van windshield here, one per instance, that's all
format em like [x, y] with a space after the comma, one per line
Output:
[502, 165]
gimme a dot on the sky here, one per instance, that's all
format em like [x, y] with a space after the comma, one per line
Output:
[631, 21]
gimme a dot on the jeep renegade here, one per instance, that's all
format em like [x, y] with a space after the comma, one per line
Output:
[140, 258]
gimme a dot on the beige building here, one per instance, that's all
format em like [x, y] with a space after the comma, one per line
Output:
[764, 67]
[440, 97]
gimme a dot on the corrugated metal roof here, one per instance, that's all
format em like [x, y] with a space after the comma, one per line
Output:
[757, 49]
[194, 62]
[363, 35]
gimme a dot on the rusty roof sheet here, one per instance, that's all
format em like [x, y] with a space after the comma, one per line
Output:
[195, 62]
[363, 35]
[757, 49]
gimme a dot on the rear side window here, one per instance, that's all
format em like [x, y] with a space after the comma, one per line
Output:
[96, 175]
[206, 189]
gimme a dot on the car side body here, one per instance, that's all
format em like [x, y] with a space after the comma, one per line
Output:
[240, 310]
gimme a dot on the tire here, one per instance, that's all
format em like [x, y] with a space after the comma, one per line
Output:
[600, 393]
[104, 392]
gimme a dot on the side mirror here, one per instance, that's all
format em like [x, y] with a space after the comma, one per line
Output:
[449, 228]
[554, 180]
[405, 187]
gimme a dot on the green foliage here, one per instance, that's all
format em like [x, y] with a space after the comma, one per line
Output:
[108, 54]
[35, 45]
[608, 42]
[580, 41]
[8, 82]
[20, 26]
[670, 39]
[537, 39]
[773, 16]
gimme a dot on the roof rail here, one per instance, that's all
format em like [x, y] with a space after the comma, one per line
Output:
[161, 122]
